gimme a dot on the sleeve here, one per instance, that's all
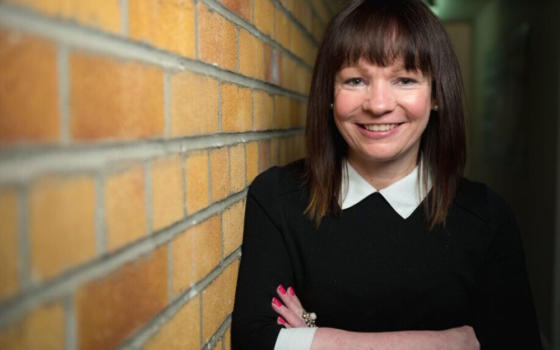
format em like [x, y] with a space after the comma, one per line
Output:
[264, 265]
[504, 313]
[295, 339]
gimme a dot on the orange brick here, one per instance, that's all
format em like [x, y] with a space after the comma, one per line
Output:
[167, 191]
[232, 224]
[115, 99]
[317, 28]
[9, 249]
[43, 328]
[167, 24]
[251, 55]
[303, 14]
[108, 310]
[62, 224]
[296, 119]
[125, 207]
[227, 339]
[252, 161]
[288, 69]
[237, 167]
[272, 64]
[194, 104]
[274, 151]
[302, 79]
[241, 7]
[282, 111]
[283, 151]
[197, 181]
[28, 89]
[195, 253]
[181, 332]
[219, 168]
[104, 14]
[264, 16]
[217, 39]
[217, 300]
[321, 10]
[282, 29]
[288, 4]
[264, 155]
[263, 111]
[236, 108]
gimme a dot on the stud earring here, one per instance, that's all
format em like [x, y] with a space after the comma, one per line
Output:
[435, 108]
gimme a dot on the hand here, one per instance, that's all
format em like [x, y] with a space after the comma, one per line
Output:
[289, 308]
[462, 338]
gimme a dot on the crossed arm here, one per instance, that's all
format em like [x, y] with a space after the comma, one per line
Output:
[290, 310]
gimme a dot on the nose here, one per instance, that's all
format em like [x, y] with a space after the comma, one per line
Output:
[379, 99]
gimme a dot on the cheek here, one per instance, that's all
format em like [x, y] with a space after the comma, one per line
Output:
[345, 103]
[417, 106]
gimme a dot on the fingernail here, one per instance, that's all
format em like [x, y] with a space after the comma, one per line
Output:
[276, 302]
[281, 289]
[280, 320]
[291, 291]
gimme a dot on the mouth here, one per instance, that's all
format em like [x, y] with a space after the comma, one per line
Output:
[379, 127]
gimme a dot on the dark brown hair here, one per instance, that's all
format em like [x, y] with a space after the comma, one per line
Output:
[382, 31]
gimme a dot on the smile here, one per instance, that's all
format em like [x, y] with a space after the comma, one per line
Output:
[380, 127]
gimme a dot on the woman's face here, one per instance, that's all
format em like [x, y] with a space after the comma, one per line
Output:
[381, 112]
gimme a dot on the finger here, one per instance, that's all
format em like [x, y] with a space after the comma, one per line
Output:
[290, 299]
[283, 322]
[293, 319]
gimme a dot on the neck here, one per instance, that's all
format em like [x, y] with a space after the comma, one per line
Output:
[383, 173]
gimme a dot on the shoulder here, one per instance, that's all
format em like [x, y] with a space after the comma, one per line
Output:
[278, 181]
[482, 202]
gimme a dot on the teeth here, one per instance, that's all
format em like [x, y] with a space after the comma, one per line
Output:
[380, 127]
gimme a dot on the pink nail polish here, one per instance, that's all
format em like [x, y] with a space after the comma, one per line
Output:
[281, 289]
[276, 302]
[291, 291]
[280, 320]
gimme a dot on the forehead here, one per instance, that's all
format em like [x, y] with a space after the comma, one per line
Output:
[363, 64]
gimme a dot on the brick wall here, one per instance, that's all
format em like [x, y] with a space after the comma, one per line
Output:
[129, 132]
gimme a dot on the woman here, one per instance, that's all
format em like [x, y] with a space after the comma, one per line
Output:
[376, 230]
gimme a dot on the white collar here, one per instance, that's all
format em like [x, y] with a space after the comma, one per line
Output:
[404, 195]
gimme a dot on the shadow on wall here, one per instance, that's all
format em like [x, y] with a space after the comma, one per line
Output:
[513, 131]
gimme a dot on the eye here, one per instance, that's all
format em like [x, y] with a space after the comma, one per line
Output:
[354, 82]
[406, 81]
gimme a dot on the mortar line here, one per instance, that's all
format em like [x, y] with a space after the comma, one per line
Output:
[124, 18]
[315, 12]
[70, 324]
[23, 216]
[219, 333]
[140, 337]
[308, 35]
[100, 227]
[22, 164]
[90, 39]
[69, 281]
[63, 76]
